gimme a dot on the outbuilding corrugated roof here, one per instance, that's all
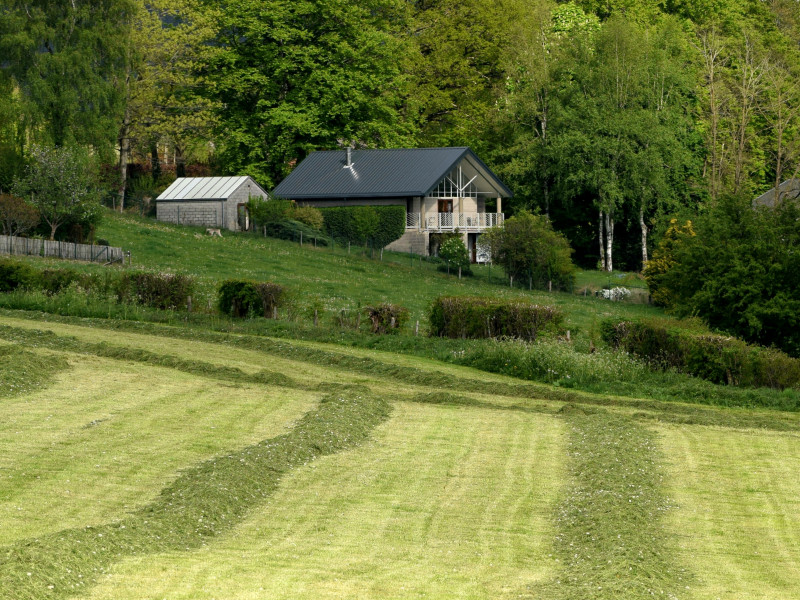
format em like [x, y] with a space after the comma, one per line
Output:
[205, 188]
[399, 172]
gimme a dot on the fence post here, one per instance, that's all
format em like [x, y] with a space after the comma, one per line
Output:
[416, 329]
[301, 239]
[316, 319]
[189, 304]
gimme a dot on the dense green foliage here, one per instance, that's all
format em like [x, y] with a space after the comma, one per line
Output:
[157, 290]
[530, 251]
[242, 298]
[377, 226]
[741, 272]
[713, 357]
[14, 274]
[386, 317]
[465, 317]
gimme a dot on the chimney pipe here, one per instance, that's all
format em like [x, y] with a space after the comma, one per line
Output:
[349, 157]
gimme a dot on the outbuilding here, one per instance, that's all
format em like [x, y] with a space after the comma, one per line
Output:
[219, 202]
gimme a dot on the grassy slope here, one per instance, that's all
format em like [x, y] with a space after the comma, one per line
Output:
[336, 279]
[738, 515]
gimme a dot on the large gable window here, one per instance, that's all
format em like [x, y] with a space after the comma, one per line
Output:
[455, 185]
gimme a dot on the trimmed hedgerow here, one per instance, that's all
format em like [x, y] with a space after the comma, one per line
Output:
[377, 225]
[386, 318]
[242, 298]
[157, 290]
[467, 317]
[717, 358]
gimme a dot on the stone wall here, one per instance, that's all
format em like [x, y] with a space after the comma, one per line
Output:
[198, 214]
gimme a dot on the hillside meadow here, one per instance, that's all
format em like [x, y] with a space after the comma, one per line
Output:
[164, 454]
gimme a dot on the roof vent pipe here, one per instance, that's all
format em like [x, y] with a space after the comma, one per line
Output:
[349, 158]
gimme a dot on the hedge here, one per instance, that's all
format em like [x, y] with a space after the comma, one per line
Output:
[15, 274]
[717, 358]
[243, 298]
[386, 318]
[157, 290]
[468, 317]
[377, 225]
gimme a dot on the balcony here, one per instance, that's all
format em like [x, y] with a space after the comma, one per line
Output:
[450, 221]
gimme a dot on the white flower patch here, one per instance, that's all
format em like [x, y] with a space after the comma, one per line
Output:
[616, 294]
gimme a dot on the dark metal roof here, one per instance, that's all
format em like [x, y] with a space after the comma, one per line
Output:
[788, 190]
[400, 172]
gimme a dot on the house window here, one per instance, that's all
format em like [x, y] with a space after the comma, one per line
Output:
[445, 206]
[451, 187]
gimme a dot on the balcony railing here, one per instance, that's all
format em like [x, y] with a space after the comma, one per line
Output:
[450, 221]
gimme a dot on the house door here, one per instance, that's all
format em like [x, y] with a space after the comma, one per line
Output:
[446, 214]
[244, 217]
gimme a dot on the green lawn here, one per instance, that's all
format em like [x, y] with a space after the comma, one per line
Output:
[737, 518]
[332, 279]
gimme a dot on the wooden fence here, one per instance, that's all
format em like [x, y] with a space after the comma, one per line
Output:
[31, 247]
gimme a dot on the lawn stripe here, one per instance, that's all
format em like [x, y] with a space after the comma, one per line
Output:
[611, 541]
[201, 503]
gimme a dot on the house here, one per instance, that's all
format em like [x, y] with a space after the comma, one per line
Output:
[442, 190]
[217, 202]
[788, 190]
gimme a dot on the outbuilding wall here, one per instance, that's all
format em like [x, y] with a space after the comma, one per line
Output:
[207, 213]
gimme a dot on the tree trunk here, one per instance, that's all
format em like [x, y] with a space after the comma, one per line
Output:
[644, 236]
[602, 243]
[124, 155]
[155, 166]
[609, 241]
[53, 227]
[180, 162]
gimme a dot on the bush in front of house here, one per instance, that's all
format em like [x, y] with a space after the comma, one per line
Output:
[386, 317]
[375, 225]
[470, 317]
[717, 358]
[455, 255]
[243, 298]
[157, 290]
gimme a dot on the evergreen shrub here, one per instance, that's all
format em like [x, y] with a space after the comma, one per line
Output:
[469, 317]
[243, 298]
[717, 358]
[386, 318]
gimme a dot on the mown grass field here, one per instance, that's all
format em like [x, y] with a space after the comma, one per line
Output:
[144, 464]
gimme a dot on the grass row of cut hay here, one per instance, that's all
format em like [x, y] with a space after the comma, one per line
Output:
[611, 541]
[444, 502]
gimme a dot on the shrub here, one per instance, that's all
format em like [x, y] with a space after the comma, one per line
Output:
[292, 230]
[466, 317]
[157, 290]
[15, 274]
[242, 298]
[264, 212]
[310, 216]
[529, 249]
[717, 358]
[386, 318]
[455, 254]
[379, 225]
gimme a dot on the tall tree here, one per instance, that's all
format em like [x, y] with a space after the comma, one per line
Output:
[65, 59]
[299, 75]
